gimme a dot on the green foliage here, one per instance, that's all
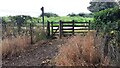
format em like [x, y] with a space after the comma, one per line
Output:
[111, 14]
[5, 20]
[81, 14]
[50, 15]
[106, 20]
[20, 20]
[39, 35]
[98, 6]
[26, 20]
[72, 15]
[68, 18]
[107, 24]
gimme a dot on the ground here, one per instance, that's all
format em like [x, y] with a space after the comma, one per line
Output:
[44, 52]
[36, 55]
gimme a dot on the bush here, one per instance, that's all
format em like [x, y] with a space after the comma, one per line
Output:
[106, 20]
[81, 51]
[107, 24]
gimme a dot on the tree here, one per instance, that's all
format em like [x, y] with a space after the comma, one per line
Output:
[98, 6]
[72, 14]
[50, 14]
[81, 14]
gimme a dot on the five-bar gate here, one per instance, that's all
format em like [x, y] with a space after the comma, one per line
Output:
[70, 27]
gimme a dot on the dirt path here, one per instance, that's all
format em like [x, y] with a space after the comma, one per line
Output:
[36, 54]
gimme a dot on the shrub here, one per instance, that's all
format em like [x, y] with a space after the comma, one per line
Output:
[81, 51]
[107, 24]
[106, 20]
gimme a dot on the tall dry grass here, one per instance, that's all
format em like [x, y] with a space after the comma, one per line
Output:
[80, 51]
[16, 45]
[11, 46]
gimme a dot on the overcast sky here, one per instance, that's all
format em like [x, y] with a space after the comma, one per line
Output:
[32, 7]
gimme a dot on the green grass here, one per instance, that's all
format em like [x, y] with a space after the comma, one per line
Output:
[67, 18]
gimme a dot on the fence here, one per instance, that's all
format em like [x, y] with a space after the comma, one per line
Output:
[63, 28]
[12, 30]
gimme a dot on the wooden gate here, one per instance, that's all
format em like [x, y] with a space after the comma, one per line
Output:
[70, 27]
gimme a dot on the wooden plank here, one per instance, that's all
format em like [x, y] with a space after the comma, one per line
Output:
[76, 29]
[71, 33]
[81, 25]
[82, 29]
[81, 22]
[55, 29]
[67, 29]
[75, 32]
[76, 25]
[71, 25]
[69, 22]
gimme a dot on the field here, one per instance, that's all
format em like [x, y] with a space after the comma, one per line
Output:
[67, 18]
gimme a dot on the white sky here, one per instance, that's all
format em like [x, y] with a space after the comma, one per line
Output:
[32, 7]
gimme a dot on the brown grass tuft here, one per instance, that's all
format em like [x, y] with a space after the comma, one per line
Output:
[80, 51]
[14, 45]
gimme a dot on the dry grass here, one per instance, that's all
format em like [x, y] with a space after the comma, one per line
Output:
[80, 51]
[14, 45]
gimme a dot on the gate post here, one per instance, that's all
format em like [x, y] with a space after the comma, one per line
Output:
[51, 28]
[89, 26]
[60, 29]
[31, 33]
[73, 27]
[48, 28]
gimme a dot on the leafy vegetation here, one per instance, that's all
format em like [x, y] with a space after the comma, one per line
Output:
[68, 18]
[50, 14]
[107, 23]
[98, 6]
[81, 15]
[27, 19]
[107, 20]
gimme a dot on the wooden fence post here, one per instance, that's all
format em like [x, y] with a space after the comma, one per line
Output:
[89, 26]
[73, 27]
[48, 28]
[60, 29]
[42, 9]
[19, 27]
[31, 33]
[51, 28]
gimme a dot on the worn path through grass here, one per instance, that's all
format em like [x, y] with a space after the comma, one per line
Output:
[35, 55]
